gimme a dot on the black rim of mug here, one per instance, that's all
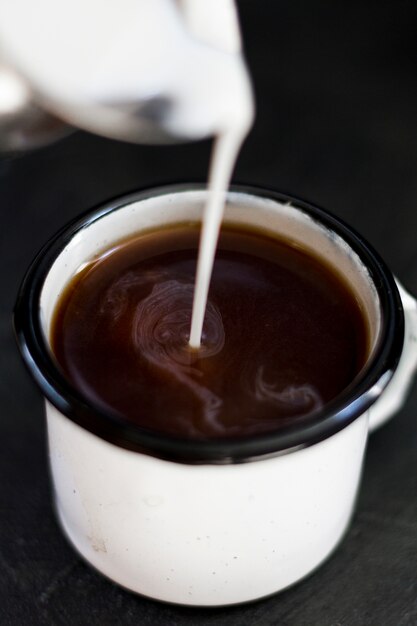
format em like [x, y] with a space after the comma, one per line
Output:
[334, 416]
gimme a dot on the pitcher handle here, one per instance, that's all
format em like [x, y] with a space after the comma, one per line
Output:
[395, 394]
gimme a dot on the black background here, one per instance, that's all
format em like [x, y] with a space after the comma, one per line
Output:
[336, 88]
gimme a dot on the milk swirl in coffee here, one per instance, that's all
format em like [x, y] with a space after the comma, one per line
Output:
[282, 334]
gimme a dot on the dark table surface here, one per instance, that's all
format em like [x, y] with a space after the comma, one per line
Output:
[336, 88]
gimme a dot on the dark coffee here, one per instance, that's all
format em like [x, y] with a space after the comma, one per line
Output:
[283, 334]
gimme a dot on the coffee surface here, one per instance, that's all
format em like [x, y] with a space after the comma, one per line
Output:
[282, 334]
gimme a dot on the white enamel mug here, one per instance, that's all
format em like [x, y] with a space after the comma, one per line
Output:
[214, 522]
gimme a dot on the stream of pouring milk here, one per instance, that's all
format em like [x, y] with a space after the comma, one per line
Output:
[225, 152]
[238, 99]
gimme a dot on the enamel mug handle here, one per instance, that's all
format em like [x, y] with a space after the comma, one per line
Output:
[395, 394]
